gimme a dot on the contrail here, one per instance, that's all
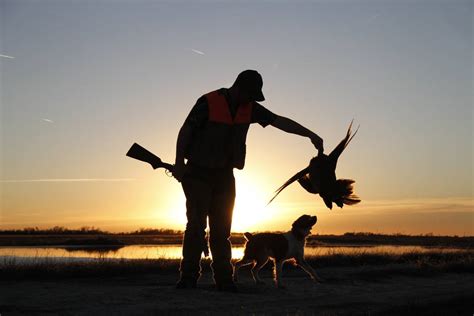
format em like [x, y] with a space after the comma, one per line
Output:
[69, 180]
[198, 52]
[6, 56]
[373, 17]
[47, 120]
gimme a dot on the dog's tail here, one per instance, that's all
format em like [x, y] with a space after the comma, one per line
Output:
[248, 236]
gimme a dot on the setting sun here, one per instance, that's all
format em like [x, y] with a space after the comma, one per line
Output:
[250, 210]
[123, 125]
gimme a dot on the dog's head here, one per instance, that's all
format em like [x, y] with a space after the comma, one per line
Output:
[302, 226]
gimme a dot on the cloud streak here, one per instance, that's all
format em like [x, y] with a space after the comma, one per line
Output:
[68, 180]
[400, 206]
[6, 56]
[197, 51]
[47, 120]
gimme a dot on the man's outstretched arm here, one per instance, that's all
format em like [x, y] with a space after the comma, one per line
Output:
[287, 125]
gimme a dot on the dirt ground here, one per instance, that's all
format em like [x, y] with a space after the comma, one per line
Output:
[346, 291]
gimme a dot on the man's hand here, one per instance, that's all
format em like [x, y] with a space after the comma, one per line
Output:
[318, 143]
[179, 171]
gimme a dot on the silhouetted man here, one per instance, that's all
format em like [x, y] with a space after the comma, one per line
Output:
[212, 139]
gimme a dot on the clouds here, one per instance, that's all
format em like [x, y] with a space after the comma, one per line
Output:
[197, 51]
[68, 180]
[6, 56]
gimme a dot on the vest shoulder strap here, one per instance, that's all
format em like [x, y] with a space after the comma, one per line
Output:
[219, 110]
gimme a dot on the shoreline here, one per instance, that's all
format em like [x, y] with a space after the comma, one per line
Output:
[413, 263]
[348, 239]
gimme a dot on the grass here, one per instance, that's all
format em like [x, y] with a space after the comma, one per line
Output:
[381, 264]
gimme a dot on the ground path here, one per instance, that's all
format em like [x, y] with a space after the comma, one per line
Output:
[346, 291]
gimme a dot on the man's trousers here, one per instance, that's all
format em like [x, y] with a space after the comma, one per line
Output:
[210, 193]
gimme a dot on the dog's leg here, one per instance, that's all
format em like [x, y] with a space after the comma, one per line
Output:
[306, 267]
[239, 264]
[278, 272]
[256, 268]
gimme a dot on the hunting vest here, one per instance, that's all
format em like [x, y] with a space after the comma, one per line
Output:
[220, 143]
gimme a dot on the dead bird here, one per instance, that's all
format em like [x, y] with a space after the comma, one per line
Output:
[320, 177]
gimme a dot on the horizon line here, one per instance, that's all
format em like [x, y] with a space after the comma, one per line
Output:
[178, 231]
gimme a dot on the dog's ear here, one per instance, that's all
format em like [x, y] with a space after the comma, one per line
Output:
[298, 222]
[304, 221]
[248, 236]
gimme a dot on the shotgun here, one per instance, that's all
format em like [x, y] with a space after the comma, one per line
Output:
[140, 153]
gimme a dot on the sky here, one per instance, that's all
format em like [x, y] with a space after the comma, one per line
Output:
[83, 80]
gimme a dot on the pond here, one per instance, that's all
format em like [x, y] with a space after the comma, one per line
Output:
[25, 255]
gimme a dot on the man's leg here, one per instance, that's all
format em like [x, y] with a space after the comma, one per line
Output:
[220, 222]
[198, 195]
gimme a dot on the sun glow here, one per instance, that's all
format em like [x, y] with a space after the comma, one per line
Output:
[250, 211]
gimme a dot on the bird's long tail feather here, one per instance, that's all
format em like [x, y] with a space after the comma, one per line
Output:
[290, 181]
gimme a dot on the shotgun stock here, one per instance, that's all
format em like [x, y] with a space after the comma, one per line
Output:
[140, 153]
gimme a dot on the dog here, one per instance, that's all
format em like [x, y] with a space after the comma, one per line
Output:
[280, 248]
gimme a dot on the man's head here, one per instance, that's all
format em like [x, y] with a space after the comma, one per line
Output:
[249, 83]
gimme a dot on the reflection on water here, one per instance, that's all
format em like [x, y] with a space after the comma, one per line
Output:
[87, 253]
[101, 250]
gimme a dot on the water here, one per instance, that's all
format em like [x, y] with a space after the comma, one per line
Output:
[25, 255]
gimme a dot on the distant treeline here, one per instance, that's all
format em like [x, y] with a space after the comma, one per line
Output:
[362, 238]
[58, 235]
[86, 230]
[91, 230]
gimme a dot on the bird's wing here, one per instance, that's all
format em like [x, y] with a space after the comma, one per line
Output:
[334, 155]
[290, 181]
[305, 182]
[327, 200]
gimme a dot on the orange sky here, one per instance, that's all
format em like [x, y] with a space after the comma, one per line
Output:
[82, 81]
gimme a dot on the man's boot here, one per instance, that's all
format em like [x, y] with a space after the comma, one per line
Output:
[186, 283]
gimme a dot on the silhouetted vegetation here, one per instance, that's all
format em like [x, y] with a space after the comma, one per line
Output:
[378, 265]
[98, 250]
[155, 231]
[56, 230]
[58, 235]
[362, 238]
[85, 230]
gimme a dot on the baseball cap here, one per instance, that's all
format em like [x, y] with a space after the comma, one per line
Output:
[252, 82]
